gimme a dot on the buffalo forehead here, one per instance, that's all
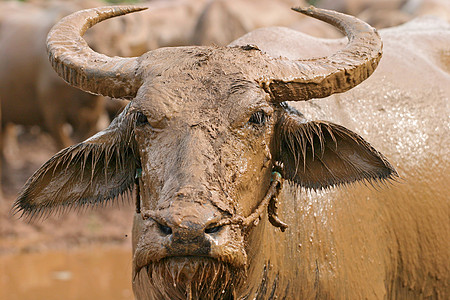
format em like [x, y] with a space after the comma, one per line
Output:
[231, 60]
[200, 98]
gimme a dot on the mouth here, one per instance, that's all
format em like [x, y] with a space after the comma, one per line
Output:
[190, 277]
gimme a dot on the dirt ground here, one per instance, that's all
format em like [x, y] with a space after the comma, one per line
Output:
[77, 255]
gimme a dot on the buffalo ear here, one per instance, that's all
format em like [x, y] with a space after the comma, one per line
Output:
[318, 154]
[90, 173]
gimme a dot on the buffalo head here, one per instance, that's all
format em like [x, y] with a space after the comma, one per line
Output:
[205, 130]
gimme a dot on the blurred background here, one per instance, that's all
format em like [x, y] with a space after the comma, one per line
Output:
[87, 255]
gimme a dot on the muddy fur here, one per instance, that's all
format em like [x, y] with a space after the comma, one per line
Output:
[190, 278]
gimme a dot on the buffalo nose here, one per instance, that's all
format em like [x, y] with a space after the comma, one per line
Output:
[167, 230]
[188, 238]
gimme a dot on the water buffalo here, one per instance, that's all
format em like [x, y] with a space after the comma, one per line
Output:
[223, 21]
[31, 93]
[209, 137]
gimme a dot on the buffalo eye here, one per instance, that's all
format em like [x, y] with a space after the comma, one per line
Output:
[213, 229]
[166, 230]
[141, 119]
[258, 118]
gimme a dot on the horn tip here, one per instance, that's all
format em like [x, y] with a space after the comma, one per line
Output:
[135, 8]
[305, 10]
[107, 12]
[125, 9]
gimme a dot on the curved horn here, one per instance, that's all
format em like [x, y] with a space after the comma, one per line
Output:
[317, 78]
[84, 68]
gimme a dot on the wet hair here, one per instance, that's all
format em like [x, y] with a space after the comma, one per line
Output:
[189, 278]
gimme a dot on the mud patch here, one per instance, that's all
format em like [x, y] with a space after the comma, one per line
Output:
[89, 273]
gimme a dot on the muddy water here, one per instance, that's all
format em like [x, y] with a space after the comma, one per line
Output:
[86, 273]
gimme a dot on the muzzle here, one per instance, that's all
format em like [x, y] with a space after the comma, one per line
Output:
[270, 201]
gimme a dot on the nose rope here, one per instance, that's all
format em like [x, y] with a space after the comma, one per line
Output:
[270, 202]
[272, 207]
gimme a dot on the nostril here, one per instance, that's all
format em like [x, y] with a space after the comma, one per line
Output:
[213, 229]
[164, 229]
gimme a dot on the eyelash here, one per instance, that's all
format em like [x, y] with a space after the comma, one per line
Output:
[258, 118]
[141, 119]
